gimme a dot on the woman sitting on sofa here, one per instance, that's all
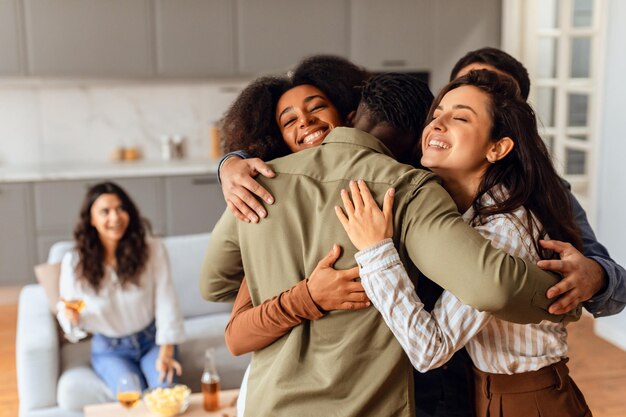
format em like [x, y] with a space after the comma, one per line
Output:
[122, 278]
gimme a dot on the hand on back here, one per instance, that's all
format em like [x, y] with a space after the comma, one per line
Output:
[364, 222]
[333, 289]
[582, 277]
[240, 187]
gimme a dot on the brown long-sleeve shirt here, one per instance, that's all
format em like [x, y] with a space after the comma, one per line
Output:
[252, 328]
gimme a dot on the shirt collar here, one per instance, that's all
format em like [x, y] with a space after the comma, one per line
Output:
[500, 193]
[356, 137]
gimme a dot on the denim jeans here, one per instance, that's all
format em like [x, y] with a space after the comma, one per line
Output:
[113, 357]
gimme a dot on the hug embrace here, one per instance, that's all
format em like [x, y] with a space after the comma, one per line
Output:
[445, 207]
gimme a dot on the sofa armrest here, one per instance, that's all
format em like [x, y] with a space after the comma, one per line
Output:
[36, 350]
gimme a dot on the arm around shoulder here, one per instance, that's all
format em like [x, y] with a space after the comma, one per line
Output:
[458, 258]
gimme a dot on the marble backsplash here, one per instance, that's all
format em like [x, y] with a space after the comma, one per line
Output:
[55, 123]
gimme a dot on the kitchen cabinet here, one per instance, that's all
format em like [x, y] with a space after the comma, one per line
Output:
[394, 35]
[10, 38]
[273, 35]
[89, 37]
[421, 35]
[461, 26]
[195, 38]
[213, 38]
[17, 241]
[57, 207]
[193, 204]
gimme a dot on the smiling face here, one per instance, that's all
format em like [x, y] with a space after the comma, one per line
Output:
[456, 142]
[109, 218]
[305, 116]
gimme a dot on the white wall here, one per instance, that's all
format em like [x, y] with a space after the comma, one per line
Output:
[611, 205]
[61, 121]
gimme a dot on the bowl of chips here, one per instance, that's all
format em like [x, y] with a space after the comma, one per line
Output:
[167, 402]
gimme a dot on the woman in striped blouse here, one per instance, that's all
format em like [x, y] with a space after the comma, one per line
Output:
[482, 141]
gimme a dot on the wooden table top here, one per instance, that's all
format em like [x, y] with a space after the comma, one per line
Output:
[228, 400]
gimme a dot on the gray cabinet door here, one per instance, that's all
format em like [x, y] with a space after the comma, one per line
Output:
[193, 204]
[10, 38]
[462, 26]
[275, 34]
[89, 37]
[58, 205]
[16, 235]
[391, 35]
[195, 38]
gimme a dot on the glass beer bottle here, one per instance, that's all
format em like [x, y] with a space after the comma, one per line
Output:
[210, 382]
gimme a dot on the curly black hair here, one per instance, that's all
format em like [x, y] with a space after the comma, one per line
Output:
[132, 250]
[395, 107]
[338, 78]
[499, 59]
[250, 125]
[401, 100]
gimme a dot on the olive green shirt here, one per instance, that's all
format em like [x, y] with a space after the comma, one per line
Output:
[348, 363]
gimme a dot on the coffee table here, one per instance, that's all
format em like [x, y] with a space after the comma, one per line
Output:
[228, 398]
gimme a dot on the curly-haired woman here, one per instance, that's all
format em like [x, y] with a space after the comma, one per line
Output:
[122, 275]
[250, 126]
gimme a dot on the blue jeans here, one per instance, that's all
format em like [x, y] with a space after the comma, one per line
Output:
[113, 357]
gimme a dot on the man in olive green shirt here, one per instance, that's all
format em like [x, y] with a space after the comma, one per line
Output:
[348, 363]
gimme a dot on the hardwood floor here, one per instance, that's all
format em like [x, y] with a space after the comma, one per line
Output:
[598, 367]
[599, 370]
[8, 380]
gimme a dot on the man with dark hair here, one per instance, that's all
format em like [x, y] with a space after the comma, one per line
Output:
[592, 278]
[493, 59]
[393, 108]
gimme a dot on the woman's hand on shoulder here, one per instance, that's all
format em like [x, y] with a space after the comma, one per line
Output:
[364, 222]
[333, 289]
[240, 187]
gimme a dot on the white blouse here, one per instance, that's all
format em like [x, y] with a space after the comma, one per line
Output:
[430, 339]
[116, 311]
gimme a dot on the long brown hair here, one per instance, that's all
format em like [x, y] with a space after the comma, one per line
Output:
[526, 172]
[131, 253]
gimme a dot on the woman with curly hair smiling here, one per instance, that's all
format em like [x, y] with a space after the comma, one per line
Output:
[123, 278]
[250, 127]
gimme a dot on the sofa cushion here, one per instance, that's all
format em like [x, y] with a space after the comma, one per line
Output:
[186, 254]
[58, 250]
[48, 276]
[203, 333]
[79, 385]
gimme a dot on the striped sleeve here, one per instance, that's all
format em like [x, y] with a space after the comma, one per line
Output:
[428, 340]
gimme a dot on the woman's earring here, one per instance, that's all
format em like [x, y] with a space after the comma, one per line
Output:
[491, 161]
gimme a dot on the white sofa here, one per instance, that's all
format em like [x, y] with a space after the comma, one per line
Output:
[56, 379]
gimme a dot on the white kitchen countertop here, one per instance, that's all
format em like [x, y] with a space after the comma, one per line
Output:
[76, 170]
